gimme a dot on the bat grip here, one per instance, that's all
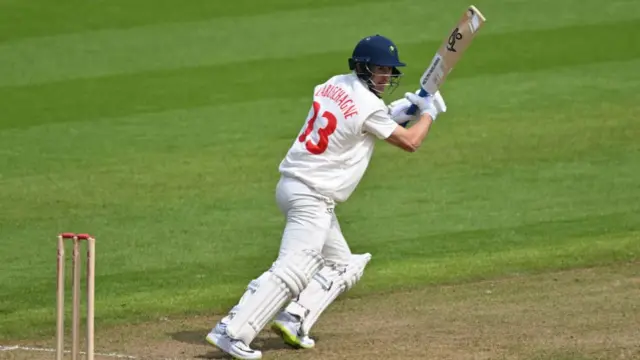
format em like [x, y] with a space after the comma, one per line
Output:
[413, 108]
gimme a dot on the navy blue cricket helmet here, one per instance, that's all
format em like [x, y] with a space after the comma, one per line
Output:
[379, 51]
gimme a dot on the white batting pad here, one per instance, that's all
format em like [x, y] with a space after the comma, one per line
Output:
[324, 288]
[286, 279]
[251, 289]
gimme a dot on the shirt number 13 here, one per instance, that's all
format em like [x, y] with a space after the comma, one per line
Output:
[323, 132]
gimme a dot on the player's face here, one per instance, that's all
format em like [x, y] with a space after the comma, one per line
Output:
[381, 77]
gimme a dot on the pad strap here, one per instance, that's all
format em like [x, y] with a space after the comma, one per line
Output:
[324, 288]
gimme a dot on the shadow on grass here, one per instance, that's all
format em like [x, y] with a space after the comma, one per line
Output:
[265, 342]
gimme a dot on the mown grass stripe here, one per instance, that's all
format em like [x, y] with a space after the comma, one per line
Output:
[73, 16]
[279, 35]
[161, 301]
[154, 91]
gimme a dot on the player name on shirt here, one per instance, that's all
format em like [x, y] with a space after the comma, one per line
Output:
[340, 97]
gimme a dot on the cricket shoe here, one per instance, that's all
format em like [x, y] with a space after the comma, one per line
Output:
[236, 348]
[288, 327]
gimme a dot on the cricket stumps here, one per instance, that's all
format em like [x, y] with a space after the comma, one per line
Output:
[76, 240]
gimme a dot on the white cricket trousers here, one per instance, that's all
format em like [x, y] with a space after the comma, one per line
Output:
[311, 223]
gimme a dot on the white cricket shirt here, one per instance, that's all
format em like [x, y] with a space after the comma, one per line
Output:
[334, 147]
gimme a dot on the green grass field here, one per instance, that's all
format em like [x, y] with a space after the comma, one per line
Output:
[158, 127]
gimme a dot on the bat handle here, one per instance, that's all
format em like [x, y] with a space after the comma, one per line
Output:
[413, 108]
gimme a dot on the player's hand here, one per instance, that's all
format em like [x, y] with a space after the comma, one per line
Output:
[398, 111]
[432, 105]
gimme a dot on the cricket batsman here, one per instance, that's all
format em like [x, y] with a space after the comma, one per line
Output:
[324, 165]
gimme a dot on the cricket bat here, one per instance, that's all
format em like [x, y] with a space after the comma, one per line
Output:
[449, 53]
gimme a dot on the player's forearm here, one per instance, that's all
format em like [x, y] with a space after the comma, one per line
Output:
[419, 130]
[410, 139]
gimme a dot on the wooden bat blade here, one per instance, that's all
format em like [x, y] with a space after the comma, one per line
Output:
[451, 50]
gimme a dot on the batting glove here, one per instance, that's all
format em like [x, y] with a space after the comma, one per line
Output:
[439, 103]
[398, 111]
[424, 104]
